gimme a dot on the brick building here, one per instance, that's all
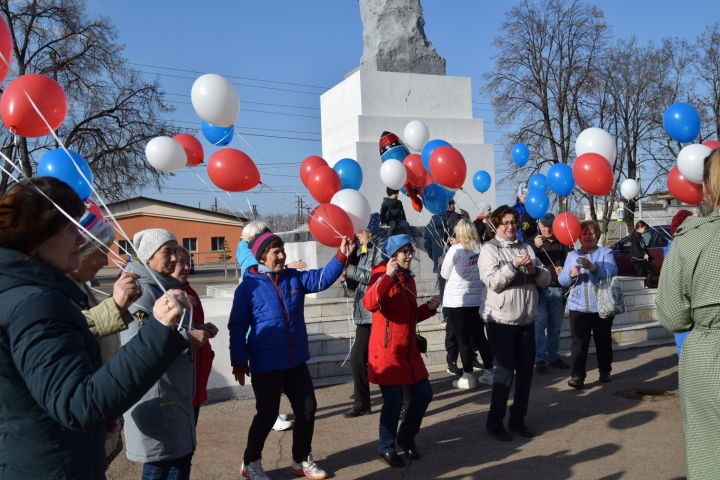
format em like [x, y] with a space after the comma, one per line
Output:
[205, 231]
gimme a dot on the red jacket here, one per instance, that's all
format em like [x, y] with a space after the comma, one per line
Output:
[204, 355]
[393, 354]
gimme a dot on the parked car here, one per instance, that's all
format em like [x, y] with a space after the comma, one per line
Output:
[656, 238]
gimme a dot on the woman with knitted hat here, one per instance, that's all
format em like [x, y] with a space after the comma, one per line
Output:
[393, 355]
[268, 339]
[55, 399]
[160, 428]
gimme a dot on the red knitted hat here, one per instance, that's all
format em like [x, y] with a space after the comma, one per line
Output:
[678, 219]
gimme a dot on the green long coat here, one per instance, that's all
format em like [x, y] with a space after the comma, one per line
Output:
[688, 299]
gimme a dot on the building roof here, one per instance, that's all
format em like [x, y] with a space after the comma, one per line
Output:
[152, 207]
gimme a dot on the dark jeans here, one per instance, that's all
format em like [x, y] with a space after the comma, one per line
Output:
[175, 469]
[359, 365]
[548, 323]
[421, 395]
[468, 328]
[582, 326]
[451, 344]
[645, 269]
[513, 350]
[297, 385]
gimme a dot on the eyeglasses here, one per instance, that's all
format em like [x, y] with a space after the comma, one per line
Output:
[407, 251]
[511, 222]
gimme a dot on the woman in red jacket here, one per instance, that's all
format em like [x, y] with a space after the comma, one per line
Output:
[393, 355]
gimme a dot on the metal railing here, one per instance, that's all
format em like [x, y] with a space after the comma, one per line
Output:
[215, 258]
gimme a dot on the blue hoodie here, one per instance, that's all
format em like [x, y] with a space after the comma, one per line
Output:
[244, 257]
[582, 296]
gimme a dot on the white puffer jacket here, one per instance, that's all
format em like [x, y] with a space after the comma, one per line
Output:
[464, 287]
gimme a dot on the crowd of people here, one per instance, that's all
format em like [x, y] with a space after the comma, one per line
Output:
[67, 387]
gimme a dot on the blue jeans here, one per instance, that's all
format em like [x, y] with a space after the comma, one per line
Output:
[548, 322]
[175, 469]
[390, 414]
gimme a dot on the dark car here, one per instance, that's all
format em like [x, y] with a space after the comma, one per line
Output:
[656, 238]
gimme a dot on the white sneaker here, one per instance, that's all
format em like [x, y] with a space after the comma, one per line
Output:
[308, 469]
[486, 377]
[466, 382]
[253, 471]
[282, 424]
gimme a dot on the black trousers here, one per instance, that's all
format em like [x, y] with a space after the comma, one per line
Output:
[268, 386]
[582, 327]
[469, 331]
[359, 366]
[513, 350]
[451, 344]
[644, 269]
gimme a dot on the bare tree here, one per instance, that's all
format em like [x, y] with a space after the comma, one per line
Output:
[113, 112]
[706, 68]
[546, 63]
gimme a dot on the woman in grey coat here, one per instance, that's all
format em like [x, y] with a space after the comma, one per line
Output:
[358, 276]
[160, 428]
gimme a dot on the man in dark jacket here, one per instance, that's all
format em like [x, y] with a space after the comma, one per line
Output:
[392, 212]
[528, 225]
[551, 305]
[482, 223]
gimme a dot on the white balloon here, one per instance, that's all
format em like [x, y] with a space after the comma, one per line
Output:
[165, 154]
[691, 161]
[596, 140]
[393, 174]
[355, 205]
[215, 100]
[629, 189]
[416, 135]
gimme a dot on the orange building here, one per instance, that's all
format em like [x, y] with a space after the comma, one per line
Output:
[206, 232]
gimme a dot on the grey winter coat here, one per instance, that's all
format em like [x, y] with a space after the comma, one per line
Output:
[161, 426]
[360, 275]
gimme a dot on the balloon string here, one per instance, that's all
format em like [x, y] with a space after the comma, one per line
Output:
[219, 198]
[652, 219]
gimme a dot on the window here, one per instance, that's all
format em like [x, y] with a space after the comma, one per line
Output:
[190, 244]
[660, 238]
[125, 248]
[217, 243]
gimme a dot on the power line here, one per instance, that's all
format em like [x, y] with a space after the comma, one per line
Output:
[252, 103]
[256, 111]
[195, 124]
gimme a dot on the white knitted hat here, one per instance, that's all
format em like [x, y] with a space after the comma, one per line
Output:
[149, 241]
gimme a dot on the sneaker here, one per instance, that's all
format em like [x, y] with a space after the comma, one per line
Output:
[476, 364]
[559, 363]
[486, 377]
[308, 469]
[453, 369]
[466, 382]
[604, 377]
[281, 424]
[253, 471]
[576, 382]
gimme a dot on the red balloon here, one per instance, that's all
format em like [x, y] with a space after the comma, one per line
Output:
[308, 165]
[193, 148]
[448, 166]
[712, 144]
[323, 183]
[566, 228]
[93, 208]
[683, 189]
[329, 223]
[232, 170]
[20, 116]
[593, 173]
[6, 49]
[416, 173]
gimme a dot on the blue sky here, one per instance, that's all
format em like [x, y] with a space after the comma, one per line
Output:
[289, 52]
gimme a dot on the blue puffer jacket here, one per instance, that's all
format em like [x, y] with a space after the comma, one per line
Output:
[272, 307]
[582, 296]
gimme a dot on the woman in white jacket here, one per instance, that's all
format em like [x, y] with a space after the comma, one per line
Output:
[462, 297]
[511, 273]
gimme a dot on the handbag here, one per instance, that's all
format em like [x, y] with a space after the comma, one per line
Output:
[422, 343]
[609, 297]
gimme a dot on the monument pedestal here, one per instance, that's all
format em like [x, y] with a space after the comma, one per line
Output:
[355, 112]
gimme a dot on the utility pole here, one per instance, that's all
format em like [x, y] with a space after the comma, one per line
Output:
[254, 212]
[300, 207]
[215, 207]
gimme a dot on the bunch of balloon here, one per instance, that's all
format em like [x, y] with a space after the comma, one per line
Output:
[537, 200]
[683, 189]
[428, 150]
[69, 167]
[436, 198]
[566, 228]
[323, 182]
[329, 223]
[355, 205]
[448, 167]
[595, 150]
[193, 149]
[218, 136]
[232, 170]
[308, 165]
[350, 173]
[393, 174]
[560, 179]
[416, 173]
[215, 100]
[691, 161]
[682, 122]
[166, 154]
[416, 134]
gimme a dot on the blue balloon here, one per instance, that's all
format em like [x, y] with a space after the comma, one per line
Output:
[57, 163]
[428, 149]
[436, 198]
[560, 179]
[520, 154]
[218, 135]
[482, 181]
[350, 173]
[537, 203]
[682, 122]
[538, 182]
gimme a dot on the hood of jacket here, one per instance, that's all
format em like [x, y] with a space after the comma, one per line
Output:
[18, 269]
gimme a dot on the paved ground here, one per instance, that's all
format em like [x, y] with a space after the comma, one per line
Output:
[597, 433]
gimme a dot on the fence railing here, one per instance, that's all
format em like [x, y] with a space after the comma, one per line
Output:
[216, 258]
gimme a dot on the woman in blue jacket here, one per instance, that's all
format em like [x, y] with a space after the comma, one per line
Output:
[56, 397]
[584, 268]
[269, 304]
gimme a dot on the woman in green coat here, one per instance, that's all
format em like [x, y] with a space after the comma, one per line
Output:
[688, 300]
